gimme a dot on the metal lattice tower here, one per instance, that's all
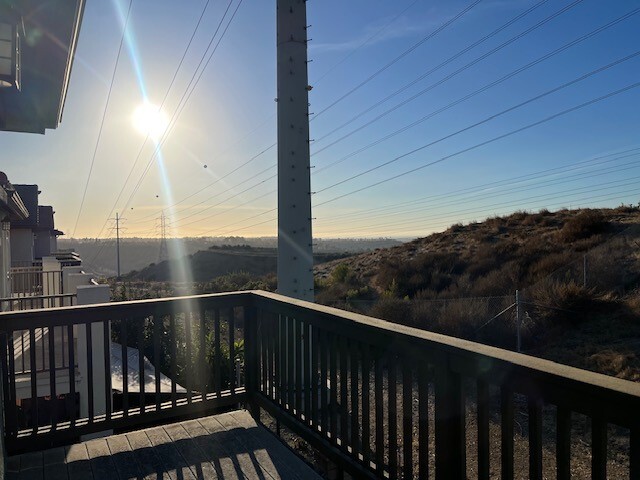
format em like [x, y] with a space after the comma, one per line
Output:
[162, 253]
[295, 249]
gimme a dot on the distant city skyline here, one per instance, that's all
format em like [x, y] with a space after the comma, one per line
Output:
[425, 114]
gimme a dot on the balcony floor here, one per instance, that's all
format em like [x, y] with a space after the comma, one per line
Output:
[226, 446]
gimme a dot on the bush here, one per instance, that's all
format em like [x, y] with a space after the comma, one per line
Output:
[393, 310]
[584, 225]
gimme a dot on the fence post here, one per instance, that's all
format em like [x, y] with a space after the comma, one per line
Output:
[518, 322]
[251, 360]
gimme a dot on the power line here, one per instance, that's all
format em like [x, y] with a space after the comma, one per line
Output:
[493, 117]
[436, 68]
[366, 42]
[181, 108]
[400, 57]
[484, 88]
[166, 95]
[587, 200]
[451, 58]
[481, 144]
[104, 115]
[483, 192]
[475, 200]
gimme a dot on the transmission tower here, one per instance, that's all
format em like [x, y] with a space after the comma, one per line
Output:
[162, 253]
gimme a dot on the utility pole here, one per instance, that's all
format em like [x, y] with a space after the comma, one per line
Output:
[118, 244]
[295, 249]
[162, 254]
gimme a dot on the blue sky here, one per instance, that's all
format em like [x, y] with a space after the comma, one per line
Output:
[585, 157]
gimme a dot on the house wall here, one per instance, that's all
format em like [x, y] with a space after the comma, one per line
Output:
[5, 260]
[22, 246]
[42, 244]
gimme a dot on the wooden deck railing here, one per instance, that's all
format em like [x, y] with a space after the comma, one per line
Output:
[379, 400]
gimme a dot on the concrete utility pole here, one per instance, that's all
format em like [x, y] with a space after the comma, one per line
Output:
[295, 249]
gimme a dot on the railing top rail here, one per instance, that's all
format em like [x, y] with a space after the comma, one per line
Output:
[485, 359]
[106, 311]
[38, 297]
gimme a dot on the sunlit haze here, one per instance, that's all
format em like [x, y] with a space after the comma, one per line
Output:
[423, 114]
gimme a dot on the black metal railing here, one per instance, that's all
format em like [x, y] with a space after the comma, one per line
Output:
[127, 364]
[37, 302]
[33, 281]
[380, 400]
[387, 401]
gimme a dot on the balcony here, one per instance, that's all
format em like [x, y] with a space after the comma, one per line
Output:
[375, 399]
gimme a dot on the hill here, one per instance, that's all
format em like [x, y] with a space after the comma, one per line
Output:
[137, 253]
[577, 273]
[217, 261]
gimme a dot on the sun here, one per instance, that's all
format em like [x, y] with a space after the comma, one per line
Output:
[149, 119]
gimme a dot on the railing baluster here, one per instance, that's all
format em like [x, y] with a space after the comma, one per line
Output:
[423, 423]
[52, 377]
[203, 367]
[107, 366]
[366, 406]
[407, 419]
[392, 384]
[218, 363]
[535, 438]
[483, 430]
[333, 388]
[314, 346]
[598, 448]
[271, 329]
[125, 368]
[449, 425]
[263, 349]
[344, 393]
[354, 356]
[379, 399]
[158, 329]
[299, 364]
[34, 383]
[506, 413]
[563, 443]
[634, 452]
[281, 366]
[232, 351]
[290, 353]
[188, 366]
[89, 340]
[9, 384]
[173, 353]
[324, 393]
[307, 351]
[72, 377]
[141, 369]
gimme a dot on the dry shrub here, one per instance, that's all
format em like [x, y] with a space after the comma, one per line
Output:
[562, 302]
[393, 310]
[615, 363]
[584, 225]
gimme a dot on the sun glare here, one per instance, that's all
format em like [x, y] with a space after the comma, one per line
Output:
[149, 120]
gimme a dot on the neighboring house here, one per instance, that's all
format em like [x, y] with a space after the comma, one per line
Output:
[34, 76]
[13, 209]
[36, 236]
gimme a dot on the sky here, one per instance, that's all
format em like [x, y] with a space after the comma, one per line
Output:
[425, 113]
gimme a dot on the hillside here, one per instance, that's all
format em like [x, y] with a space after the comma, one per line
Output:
[205, 265]
[137, 253]
[462, 282]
